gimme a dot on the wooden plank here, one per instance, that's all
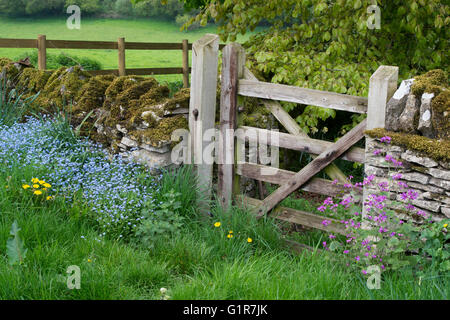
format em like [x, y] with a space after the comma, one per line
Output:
[185, 58]
[298, 143]
[121, 56]
[292, 127]
[303, 218]
[382, 86]
[202, 111]
[42, 52]
[277, 110]
[153, 46]
[280, 176]
[18, 43]
[301, 177]
[228, 116]
[139, 71]
[306, 96]
[77, 44]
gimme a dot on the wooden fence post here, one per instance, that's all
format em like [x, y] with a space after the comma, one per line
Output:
[185, 63]
[202, 110]
[42, 52]
[121, 54]
[382, 86]
[233, 64]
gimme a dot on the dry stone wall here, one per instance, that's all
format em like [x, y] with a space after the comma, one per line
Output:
[418, 121]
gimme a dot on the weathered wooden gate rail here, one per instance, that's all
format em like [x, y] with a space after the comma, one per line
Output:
[236, 81]
[42, 44]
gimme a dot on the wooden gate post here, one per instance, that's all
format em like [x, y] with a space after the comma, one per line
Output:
[382, 86]
[42, 52]
[202, 110]
[233, 64]
[185, 63]
[121, 56]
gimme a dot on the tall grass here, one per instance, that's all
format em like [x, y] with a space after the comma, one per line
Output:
[13, 105]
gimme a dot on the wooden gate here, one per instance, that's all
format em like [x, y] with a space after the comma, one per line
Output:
[237, 81]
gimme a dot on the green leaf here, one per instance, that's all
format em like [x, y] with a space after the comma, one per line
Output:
[15, 250]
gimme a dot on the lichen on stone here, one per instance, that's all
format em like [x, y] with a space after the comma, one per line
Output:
[433, 148]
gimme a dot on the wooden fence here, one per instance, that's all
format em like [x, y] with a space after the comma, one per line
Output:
[237, 81]
[42, 44]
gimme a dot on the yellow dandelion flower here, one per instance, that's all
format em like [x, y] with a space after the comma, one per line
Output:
[26, 186]
[36, 186]
[249, 240]
[38, 192]
[217, 224]
[231, 231]
[47, 185]
[49, 198]
[229, 236]
[35, 180]
[41, 182]
[446, 225]
[89, 260]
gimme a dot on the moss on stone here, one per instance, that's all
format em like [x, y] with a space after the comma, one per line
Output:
[92, 94]
[431, 82]
[119, 85]
[440, 119]
[162, 132]
[435, 149]
[33, 80]
[62, 87]
[436, 82]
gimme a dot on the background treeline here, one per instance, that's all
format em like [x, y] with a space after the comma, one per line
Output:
[171, 9]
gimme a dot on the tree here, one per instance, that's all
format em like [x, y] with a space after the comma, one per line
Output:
[329, 44]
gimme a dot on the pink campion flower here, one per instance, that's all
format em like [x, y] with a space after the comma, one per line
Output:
[332, 236]
[322, 208]
[392, 234]
[374, 256]
[386, 139]
[326, 222]
[397, 163]
[366, 254]
[400, 234]
[348, 185]
[421, 213]
[382, 267]
[402, 184]
[388, 158]
[328, 201]
[335, 181]
[397, 176]
[357, 258]
[401, 222]
[413, 194]
[364, 271]
[346, 251]
[409, 207]
[324, 243]
[377, 152]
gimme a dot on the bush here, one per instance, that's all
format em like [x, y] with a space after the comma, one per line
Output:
[62, 60]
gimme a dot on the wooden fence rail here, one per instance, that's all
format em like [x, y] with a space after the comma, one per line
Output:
[42, 44]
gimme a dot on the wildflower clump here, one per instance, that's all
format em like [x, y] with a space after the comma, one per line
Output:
[40, 189]
[387, 233]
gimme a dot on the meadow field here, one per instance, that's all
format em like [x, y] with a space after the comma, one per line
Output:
[138, 30]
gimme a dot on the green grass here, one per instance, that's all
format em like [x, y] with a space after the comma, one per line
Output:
[139, 30]
[198, 263]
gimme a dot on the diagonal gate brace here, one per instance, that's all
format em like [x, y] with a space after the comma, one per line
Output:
[319, 163]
